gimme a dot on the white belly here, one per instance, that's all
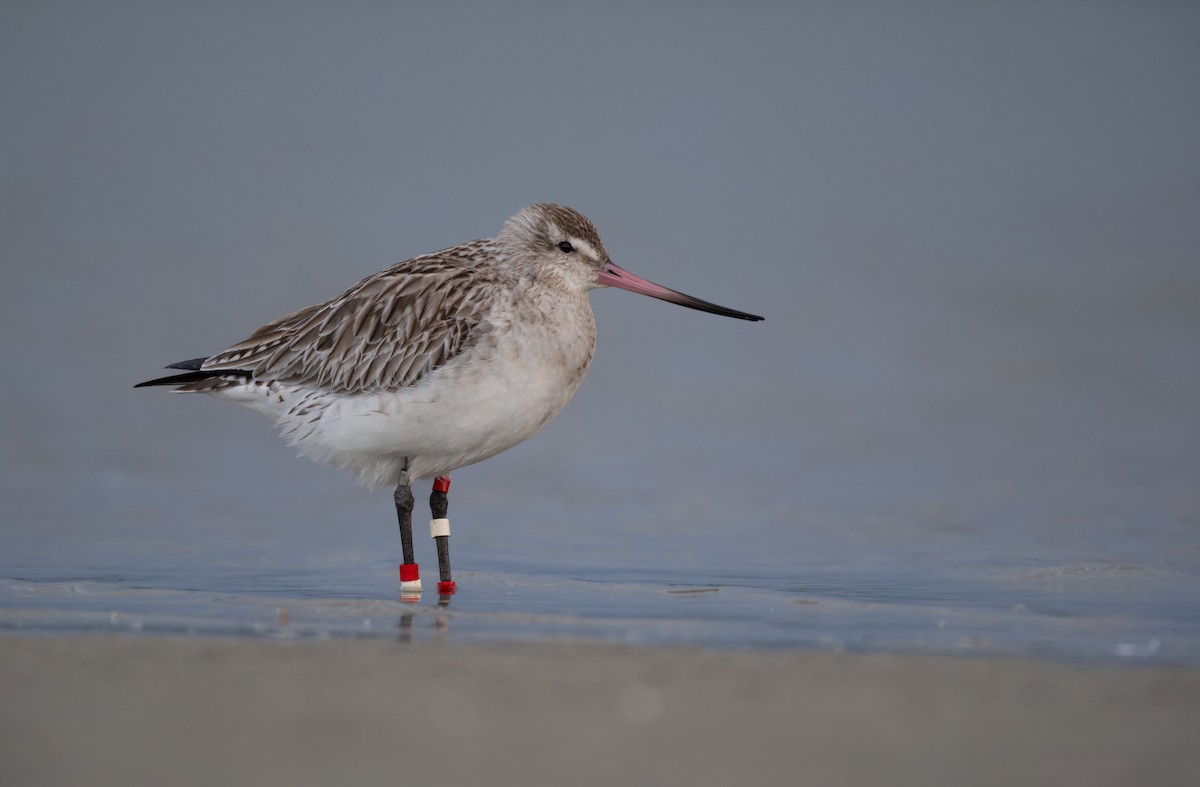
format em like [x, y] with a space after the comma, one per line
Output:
[486, 400]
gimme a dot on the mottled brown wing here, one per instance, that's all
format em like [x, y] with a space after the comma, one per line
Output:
[385, 333]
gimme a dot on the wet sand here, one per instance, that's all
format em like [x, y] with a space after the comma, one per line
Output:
[105, 710]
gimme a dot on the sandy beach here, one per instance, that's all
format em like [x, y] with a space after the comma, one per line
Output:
[107, 710]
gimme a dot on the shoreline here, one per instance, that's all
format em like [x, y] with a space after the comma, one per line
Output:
[110, 710]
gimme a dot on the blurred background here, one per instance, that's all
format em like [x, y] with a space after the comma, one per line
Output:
[973, 230]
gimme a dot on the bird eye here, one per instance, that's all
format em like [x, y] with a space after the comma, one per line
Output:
[565, 247]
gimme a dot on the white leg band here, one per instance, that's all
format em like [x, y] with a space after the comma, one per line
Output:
[439, 527]
[411, 586]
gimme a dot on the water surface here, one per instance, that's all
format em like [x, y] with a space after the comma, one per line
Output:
[969, 424]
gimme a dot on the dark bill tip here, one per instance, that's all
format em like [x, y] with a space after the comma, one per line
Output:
[612, 275]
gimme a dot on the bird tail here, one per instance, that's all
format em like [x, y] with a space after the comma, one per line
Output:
[193, 373]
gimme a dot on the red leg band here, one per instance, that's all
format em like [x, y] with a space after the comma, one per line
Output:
[409, 572]
[447, 588]
[441, 483]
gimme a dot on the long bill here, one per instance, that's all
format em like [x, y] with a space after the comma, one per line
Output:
[611, 275]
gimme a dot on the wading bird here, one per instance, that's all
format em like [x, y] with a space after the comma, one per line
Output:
[436, 363]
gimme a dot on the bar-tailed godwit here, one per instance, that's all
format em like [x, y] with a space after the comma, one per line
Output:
[435, 363]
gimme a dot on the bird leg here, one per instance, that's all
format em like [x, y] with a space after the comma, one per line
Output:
[439, 528]
[410, 577]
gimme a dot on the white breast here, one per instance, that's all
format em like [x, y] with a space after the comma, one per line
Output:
[507, 386]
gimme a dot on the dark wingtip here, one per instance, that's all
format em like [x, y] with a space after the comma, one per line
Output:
[176, 379]
[192, 365]
[193, 376]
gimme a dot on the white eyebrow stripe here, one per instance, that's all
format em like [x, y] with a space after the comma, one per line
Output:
[582, 245]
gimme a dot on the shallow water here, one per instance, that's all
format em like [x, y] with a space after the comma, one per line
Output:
[970, 423]
[1078, 612]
